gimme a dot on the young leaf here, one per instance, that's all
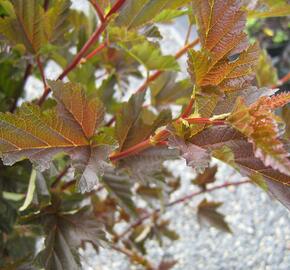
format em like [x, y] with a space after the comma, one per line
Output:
[195, 156]
[226, 59]
[207, 212]
[65, 233]
[39, 136]
[219, 136]
[120, 188]
[258, 123]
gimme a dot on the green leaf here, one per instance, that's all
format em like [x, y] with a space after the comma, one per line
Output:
[31, 26]
[120, 188]
[207, 212]
[135, 13]
[151, 57]
[266, 74]
[168, 15]
[165, 90]
[30, 191]
[39, 136]
[269, 8]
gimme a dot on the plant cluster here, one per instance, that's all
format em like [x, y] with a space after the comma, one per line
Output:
[94, 156]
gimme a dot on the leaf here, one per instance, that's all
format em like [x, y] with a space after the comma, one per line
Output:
[226, 59]
[219, 136]
[207, 212]
[56, 23]
[166, 264]
[151, 57]
[207, 177]
[286, 118]
[269, 8]
[135, 13]
[134, 124]
[266, 74]
[165, 89]
[65, 233]
[168, 15]
[144, 165]
[31, 26]
[258, 123]
[39, 136]
[30, 191]
[195, 157]
[26, 26]
[119, 187]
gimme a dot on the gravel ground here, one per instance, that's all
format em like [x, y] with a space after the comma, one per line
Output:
[261, 226]
[260, 239]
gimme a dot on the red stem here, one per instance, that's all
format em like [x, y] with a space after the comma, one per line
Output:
[98, 10]
[188, 109]
[180, 200]
[96, 51]
[95, 36]
[283, 80]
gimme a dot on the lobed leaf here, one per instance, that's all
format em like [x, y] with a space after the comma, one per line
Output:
[120, 188]
[207, 212]
[259, 125]
[65, 233]
[39, 136]
[226, 59]
[216, 137]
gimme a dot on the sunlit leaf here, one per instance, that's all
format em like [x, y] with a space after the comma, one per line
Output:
[39, 136]
[258, 123]
[248, 165]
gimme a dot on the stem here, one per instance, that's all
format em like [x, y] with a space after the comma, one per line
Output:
[204, 121]
[98, 10]
[40, 67]
[95, 51]
[46, 5]
[133, 256]
[60, 176]
[188, 109]
[156, 74]
[180, 200]
[27, 72]
[283, 80]
[95, 36]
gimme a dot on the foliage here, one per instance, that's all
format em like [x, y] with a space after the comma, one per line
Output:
[88, 155]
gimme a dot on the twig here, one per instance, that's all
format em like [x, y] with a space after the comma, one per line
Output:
[98, 10]
[95, 36]
[46, 5]
[283, 80]
[133, 256]
[180, 200]
[60, 176]
[27, 72]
